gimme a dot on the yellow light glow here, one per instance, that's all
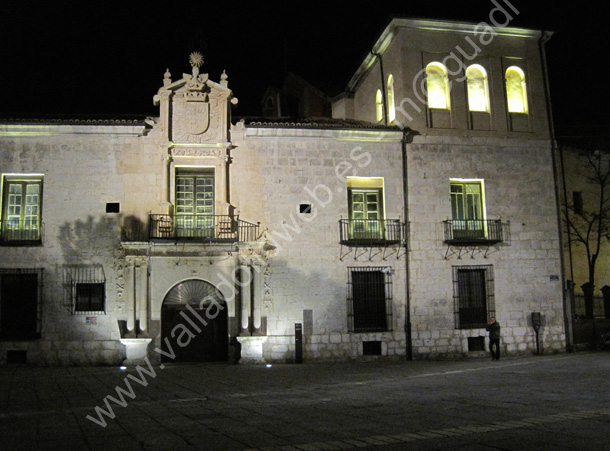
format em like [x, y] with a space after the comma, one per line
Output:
[478, 94]
[391, 107]
[437, 85]
[516, 91]
[379, 105]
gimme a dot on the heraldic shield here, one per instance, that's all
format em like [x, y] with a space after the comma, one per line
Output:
[197, 117]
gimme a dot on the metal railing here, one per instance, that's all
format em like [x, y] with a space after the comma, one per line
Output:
[203, 228]
[365, 232]
[21, 232]
[473, 231]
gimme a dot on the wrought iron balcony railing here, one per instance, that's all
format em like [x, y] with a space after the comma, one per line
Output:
[370, 232]
[202, 228]
[21, 232]
[473, 232]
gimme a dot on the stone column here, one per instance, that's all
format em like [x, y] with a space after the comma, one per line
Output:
[257, 299]
[130, 294]
[142, 293]
[246, 287]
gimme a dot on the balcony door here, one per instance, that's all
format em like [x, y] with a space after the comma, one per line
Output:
[467, 210]
[194, 212]
[366, 214]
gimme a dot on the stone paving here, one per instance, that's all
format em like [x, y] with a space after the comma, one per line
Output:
[556, 402]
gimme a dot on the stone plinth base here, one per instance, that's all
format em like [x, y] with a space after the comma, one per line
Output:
[136, 350]
[252, 349]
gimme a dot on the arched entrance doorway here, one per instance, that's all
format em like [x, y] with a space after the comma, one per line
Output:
[194, 323]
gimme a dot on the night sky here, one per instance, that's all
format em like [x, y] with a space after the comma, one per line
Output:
[108, 58]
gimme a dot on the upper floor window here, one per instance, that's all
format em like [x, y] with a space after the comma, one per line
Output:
[379, 105]
[391, 107]
[365, 208]
[21, 209]
[194, 210]
[437, 85]
[478, 92]
[516, 91]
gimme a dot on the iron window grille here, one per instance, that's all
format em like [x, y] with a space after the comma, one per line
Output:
[85, 289]
[21, 303]
[369, 299]
[473, 296]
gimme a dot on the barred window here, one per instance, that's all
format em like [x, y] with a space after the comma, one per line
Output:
[85, 288]
[369, 299]
[473, 295]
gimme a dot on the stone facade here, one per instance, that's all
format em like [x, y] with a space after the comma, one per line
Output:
[215, 237]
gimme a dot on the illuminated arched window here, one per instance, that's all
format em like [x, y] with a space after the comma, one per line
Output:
[437, 84]
[379, 105]
[391, 107]
[516, 91]
[478, 93]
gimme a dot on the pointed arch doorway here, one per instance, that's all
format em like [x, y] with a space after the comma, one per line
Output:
[194, 323]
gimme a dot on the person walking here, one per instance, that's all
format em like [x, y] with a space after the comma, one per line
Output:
[493, 327]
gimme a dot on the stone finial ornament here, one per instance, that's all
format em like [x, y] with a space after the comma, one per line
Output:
[167, 77]
[196, 61]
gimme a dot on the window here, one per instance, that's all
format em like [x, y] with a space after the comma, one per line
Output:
[577, 202]
[516, 91]
[379, 105]
[194, 210]
[20, 303]
[365, 208]
[89, 297]
[473, 296]
[85, 287]
[391, 107]
[369, 299]
[467, 208]
[437, 85]
[21, 209]
[478, 92]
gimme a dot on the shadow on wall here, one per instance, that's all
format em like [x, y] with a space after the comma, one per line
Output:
[91, 240]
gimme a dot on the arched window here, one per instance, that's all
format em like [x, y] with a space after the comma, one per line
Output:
[478, 92]
[391, 107]
[516, 91]
[379, 105]
[437, 84]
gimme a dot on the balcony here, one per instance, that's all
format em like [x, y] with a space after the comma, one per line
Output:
[371, 232]
[197, 229]
[473, 232]
[21, 232]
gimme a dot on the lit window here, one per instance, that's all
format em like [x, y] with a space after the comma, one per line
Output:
[467, 209]
[478, 93]
[21, 213]
[365, 208]
[437, 85]
[473, 296]
[379, 105]
[194, 211]
[516, 91]
[391, 107]
[369, 299]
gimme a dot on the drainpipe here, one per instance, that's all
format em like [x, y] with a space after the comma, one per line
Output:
[549, 111]
[383, 90]
[406, 138]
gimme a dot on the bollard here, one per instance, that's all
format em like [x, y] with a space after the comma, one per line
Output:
[298, 343]
[536, 321]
